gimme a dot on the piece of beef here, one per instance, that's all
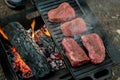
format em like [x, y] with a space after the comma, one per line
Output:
[74, 27]
[74, 52]
[62, 13]
[95, 47]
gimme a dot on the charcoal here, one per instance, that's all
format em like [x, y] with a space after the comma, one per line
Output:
[28, 49]
[48, 44]
[56, 62]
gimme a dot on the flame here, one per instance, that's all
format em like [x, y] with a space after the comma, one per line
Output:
[38, 34]
[32, 27]
[47, 33]
[3, 34]
[20, 65]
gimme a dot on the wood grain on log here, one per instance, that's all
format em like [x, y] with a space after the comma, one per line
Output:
[27, 48]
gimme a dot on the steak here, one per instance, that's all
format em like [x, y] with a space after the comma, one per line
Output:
[74, 27]
[62, 13]
[94, 44]
[74, 52]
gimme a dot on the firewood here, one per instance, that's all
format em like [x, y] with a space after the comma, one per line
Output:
[27, 48]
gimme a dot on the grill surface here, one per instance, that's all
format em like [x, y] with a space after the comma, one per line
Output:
[82, 10]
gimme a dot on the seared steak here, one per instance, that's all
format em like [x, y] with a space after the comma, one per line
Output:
[74, 52]
[74, 27]
[63, 12]
[95, 47]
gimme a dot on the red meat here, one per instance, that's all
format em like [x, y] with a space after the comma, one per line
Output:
[74, 27]
[74, 52]
[62, 13]
[95, 47]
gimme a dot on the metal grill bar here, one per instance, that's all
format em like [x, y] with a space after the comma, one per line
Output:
[82, 10]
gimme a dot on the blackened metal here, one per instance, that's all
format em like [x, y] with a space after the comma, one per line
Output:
[54, 28]
[59, 75]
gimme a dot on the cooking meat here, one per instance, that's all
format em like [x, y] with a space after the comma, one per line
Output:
[74, 52]
[95, 47]
[62, 13]
[74, 27]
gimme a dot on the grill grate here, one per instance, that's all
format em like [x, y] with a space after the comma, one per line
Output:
[82, 10]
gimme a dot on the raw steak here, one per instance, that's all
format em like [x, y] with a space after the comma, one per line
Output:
[74, 52]
[63, 12]
[74, 27]
[95, 47]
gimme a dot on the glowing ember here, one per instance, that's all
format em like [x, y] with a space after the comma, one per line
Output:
[3, 34]
[46, 32]
[20, 65]
[32, 27]
[42, 37]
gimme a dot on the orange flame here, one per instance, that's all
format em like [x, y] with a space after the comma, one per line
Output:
[3, 34]
[47, 33]
[38, 34]
[32, 27]
[19, 64]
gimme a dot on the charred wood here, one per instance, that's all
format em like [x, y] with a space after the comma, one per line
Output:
[27, 48]
[50, 50]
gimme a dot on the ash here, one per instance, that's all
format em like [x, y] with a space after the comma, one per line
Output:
[48, 47]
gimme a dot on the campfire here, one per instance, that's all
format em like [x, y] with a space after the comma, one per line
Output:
[43, 38]
[46, 44]
[19, 65]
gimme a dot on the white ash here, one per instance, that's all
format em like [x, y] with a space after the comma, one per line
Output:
[55, 63]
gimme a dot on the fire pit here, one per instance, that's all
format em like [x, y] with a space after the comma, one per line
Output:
[48, 39]
[46, 44]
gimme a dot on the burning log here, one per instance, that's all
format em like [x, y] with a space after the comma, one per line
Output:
[43, 38]
[28, 49]
[20, 65]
